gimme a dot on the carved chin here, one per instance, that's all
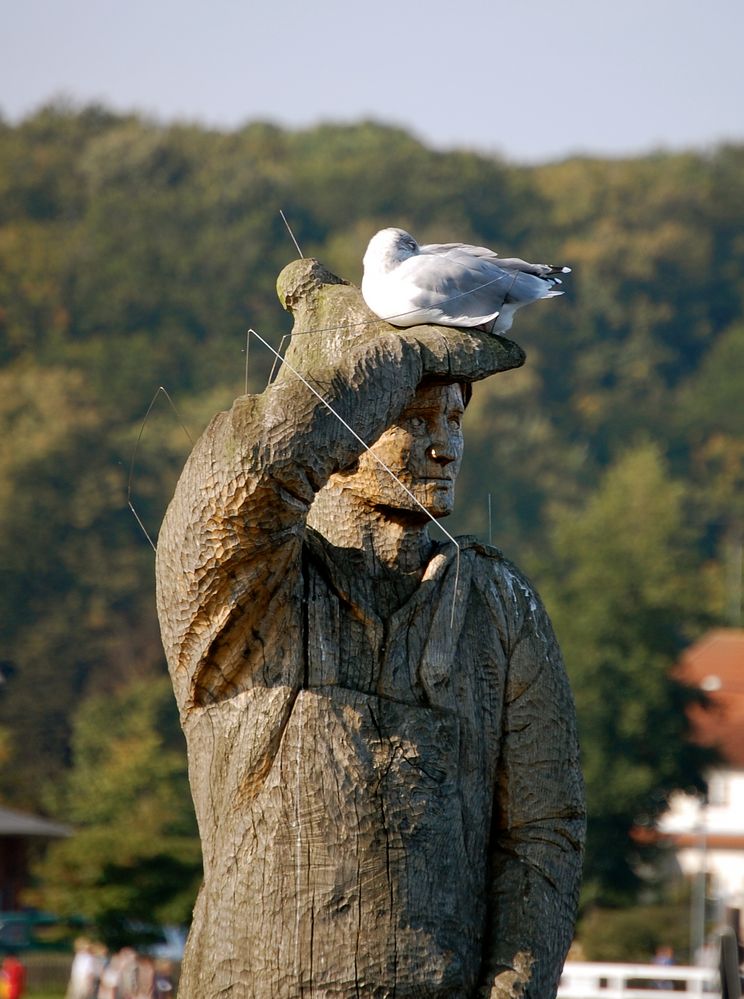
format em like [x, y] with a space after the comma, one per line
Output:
[438, 498]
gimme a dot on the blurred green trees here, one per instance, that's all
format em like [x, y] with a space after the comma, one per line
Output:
[135, 855]
[625, 596]
[134, 255]
[634, 933]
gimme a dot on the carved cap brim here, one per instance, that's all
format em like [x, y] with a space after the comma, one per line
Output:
[329, 313]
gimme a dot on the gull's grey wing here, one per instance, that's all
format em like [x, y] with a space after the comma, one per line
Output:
[461, 251]
[455, 249]
[461, 286]
[525, 267]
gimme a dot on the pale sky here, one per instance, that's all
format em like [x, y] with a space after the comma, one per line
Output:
[530, 81]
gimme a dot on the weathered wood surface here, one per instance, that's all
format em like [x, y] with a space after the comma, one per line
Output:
[388, 796]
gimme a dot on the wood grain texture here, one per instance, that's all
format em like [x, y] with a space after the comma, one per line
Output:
[389, 799]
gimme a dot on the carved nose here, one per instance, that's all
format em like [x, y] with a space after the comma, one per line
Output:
[440, 454]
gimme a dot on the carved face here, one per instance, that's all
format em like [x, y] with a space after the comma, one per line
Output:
[424, 450]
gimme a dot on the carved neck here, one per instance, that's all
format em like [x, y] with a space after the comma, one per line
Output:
[390, 540]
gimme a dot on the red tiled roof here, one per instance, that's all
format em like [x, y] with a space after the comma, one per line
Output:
[715, 664]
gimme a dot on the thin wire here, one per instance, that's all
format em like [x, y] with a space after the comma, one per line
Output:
[376, 457]
[247, 349]
[278, 357]
[284, 219]
[161, 388]
[142, 526]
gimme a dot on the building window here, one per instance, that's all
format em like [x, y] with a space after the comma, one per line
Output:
[718, 790]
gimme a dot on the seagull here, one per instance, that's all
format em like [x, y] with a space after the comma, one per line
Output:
[450, 284]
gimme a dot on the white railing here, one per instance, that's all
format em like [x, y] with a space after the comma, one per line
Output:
[590, 980]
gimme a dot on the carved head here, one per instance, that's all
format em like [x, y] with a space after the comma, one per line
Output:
[423, 448]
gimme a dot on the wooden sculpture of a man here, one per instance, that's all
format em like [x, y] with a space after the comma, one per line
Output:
[381, 738]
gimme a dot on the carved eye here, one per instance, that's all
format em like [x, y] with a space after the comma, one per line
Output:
[416, 422]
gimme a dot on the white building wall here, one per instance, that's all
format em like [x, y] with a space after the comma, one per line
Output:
[723, 815]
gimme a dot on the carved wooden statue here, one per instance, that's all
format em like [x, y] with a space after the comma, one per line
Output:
[381, 737]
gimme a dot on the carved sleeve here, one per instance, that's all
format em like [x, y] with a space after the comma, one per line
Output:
[229, 551]
[539, 819]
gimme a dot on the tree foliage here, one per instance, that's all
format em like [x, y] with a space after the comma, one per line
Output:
[633, 934]
[134, 255]
[625, 598]
[134, 856]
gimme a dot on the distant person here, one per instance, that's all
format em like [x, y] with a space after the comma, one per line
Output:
[84, 972]
[128, 974]
[664, 957]
[100, 960]
[108, 987]
[12, 978]
[163, 979]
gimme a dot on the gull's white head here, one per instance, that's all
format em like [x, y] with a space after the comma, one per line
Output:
[389, 247]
